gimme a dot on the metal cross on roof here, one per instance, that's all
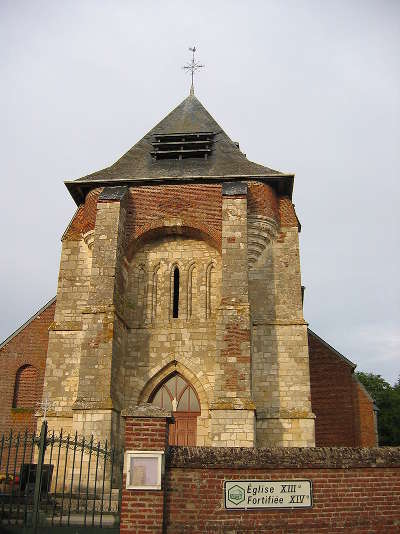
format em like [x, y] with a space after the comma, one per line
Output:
[192, 67]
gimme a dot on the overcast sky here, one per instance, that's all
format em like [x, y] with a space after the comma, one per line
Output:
[305, 86]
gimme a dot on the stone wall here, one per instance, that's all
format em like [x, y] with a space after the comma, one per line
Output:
[66, 331]
[281, 383]
[158, 343]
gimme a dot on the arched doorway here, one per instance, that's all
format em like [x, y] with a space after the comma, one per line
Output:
[177, 395]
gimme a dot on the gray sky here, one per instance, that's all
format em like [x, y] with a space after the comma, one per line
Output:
[305, 86]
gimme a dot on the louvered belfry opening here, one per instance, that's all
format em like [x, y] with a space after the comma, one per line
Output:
[182, 145]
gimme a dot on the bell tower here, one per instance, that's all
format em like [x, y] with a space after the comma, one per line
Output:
[182, 264]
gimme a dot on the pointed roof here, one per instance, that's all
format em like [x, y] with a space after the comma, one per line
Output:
[137, 165]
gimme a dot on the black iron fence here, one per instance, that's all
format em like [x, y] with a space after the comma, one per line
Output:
[50, 481]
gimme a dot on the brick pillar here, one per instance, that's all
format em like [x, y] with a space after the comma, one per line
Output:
[232, 412]
[99, 399]
[146, 429]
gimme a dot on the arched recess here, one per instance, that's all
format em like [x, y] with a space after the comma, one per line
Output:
[174, 367]
[210, 274]
[26, 387]
[154, 293]
[163, 228]
[179, 396]
[169, 369]
[139, 291]
[191, 292]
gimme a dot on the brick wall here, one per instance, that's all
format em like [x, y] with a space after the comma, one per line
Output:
[353, 490]
[25, 351]
[146, 434]
[344, 412]
[198, 206]
[366, 424]
[84, 218]
[143, 511]
[262, 200]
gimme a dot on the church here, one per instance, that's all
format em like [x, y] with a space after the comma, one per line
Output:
[180, 286]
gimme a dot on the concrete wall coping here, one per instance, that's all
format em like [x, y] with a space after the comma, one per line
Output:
[282, 458]
[146, 410]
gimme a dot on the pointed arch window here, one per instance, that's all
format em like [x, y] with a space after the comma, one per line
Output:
[175, 294]
[177, 395]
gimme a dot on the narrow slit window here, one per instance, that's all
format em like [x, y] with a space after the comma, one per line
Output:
[175, 302]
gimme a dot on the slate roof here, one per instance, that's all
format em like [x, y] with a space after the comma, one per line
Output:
[137, 165]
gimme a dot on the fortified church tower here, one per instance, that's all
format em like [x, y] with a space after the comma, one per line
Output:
[180, 286]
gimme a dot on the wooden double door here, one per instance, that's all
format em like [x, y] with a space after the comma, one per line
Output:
[183, 431]
[177, 395]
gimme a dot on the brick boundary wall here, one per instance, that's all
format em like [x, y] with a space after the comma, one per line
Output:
[355, 490]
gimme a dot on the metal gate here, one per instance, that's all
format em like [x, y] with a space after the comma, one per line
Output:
[57, 483]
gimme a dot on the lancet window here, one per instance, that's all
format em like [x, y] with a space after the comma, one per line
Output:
[175, 293]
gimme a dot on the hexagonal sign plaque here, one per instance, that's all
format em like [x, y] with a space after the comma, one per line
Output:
[236, 494]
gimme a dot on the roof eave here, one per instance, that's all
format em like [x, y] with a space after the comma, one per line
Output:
[282, 183]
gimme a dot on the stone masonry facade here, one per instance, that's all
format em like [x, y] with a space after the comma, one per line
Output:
[240, 337]
[185, 268]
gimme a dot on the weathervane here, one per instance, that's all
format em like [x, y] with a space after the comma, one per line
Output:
[192, 67]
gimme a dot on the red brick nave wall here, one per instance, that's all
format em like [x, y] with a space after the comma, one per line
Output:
[22, 367]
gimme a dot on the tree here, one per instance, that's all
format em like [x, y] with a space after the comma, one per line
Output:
[387, 399]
